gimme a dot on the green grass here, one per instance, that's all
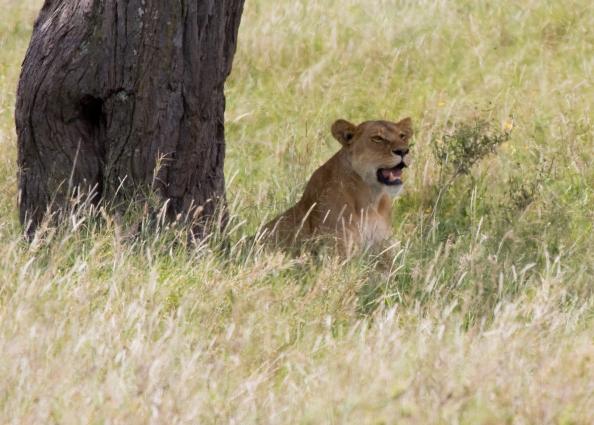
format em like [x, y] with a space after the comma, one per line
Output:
[482, 313]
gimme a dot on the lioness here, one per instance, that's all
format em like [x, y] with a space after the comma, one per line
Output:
[349, 198]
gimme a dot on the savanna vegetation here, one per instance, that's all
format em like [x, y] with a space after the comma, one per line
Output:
[481, 312]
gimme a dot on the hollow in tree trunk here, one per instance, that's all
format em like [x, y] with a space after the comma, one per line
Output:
[121, 96]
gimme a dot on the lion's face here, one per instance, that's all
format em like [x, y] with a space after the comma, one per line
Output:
[378, 151]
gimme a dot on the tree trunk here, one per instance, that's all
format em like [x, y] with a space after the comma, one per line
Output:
[122, 96]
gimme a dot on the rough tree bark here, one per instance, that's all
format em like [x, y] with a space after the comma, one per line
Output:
[111, 88]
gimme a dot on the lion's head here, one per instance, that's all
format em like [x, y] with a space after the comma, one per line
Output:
[377, 150]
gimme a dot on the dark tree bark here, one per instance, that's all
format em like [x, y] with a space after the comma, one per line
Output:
[109, 89]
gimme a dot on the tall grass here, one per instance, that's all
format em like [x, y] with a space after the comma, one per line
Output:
[481, 313]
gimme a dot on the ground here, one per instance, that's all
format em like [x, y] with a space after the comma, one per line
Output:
[481, 313]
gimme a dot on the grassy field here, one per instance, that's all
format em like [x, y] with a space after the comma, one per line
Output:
[482, 313]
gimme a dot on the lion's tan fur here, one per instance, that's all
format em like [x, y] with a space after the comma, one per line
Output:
[343, 199]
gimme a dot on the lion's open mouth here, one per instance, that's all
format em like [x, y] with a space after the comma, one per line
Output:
[391, 176]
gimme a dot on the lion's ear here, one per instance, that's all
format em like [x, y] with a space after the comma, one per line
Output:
[405, 126]
[343, 131]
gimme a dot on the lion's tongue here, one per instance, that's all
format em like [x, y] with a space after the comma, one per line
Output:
[391, 174]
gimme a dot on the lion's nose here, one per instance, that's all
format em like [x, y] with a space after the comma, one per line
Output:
[400, 152]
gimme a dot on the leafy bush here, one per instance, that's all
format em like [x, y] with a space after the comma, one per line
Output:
[465, 144]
